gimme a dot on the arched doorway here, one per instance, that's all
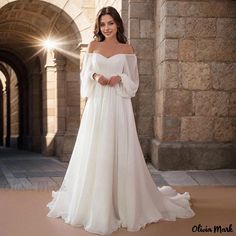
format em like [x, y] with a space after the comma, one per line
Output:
[48, 80]
[14, 101]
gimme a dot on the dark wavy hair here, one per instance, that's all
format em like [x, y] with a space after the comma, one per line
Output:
[116, 16]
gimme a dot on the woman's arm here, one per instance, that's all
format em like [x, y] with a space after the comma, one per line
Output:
[128, 49]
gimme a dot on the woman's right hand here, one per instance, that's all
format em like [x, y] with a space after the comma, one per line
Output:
[100, 79]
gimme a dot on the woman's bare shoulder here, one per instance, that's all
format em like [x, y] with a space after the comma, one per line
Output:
[92, 45]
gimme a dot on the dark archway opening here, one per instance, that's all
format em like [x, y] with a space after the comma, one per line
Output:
[21, 73]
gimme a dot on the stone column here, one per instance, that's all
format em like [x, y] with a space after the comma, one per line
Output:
[61, 98]
[195, 85]
[49, 106]
[73, 108]
[141, 37]
[35, 115]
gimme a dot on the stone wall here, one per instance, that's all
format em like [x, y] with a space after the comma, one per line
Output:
[195, 113]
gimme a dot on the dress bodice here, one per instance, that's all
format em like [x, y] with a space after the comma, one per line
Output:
[108, 66]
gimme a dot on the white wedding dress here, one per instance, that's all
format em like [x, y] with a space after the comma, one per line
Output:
[107, 184]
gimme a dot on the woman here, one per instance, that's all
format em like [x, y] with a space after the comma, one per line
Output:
[107, 184]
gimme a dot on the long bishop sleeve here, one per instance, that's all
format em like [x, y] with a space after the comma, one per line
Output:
[130, 78]
[87, 82]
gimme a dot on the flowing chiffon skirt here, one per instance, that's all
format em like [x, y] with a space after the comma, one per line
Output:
[107, 184]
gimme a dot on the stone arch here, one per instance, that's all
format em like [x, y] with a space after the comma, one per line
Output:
[74, 10]
[57, 107]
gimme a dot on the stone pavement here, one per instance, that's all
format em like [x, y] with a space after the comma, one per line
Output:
[27, 170]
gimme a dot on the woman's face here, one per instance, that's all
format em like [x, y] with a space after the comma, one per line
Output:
[108, 26]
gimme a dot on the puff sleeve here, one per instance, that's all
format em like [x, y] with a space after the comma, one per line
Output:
[129, 78]
[87, 82]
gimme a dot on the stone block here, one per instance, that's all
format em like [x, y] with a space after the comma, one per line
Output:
[194, 75]
[144, 48]
[223, 75]
[171, 8]
[146, 84]
[192, 155]
[169, 74]
[145, 67]
[73, 111]
[231, 9]
[59, 140]
[192, 9]
[171, 128]
[134, 28]
[146, 108]
[197, 129]
[201, 27]
[174, 27]
[61, 124]
[177, 102]
[47, 11]
[225, 129]
[211, 103]
[226, 50]
[72, 77]
[125, 4]
[203, 9]
[187, 49]
[73, 93]
[146, 29]
[169, 49]
[69, 141]
[141, 10]
[216, 50]
[72, 123]
[226, 28]
[206, 50]
[232, 105]
[124, 15]
[145, 126]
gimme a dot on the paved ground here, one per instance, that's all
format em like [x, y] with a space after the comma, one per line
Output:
[27, 170]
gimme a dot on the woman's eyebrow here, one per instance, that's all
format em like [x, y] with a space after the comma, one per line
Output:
[102, 22]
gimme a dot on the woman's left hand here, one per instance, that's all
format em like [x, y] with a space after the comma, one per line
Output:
[114, 80]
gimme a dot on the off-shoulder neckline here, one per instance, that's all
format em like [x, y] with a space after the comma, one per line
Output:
[125, 54]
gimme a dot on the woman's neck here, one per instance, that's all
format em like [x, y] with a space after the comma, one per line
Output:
[111, 41]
